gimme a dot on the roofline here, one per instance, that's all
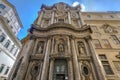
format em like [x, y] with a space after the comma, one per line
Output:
[15, 11]
[106, 12]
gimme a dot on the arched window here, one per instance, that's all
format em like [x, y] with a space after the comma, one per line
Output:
[2, 6]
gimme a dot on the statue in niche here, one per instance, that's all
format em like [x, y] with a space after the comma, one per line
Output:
[60, 47]
[40, 47]
[81, 48]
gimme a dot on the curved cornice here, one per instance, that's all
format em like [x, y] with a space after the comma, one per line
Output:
[60, 26]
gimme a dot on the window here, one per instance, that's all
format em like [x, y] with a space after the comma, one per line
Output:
[106, 43]
[2, 38]
[2, 6]
[115, 39]
[6, 71]
[106, 64]
[1, 68]
[60, 67]
[16, 51]
[88, 16]
[7, 44]
[12, 48]
[117, 65]
[61, 20]
[97, 43]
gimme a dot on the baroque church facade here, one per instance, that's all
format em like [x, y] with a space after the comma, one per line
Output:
[66, 44]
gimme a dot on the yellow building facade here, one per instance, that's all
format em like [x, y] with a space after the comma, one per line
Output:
[66, 44]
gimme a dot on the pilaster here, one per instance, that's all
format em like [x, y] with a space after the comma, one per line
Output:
[46, 61]
[98, 70]
[52, 19]
[51, 69]
[70, 70]
[69, 17]
[75, 61]
[40, 18]
[80, 19]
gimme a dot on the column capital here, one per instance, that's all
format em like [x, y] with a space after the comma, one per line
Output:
[72, 37]
[88, 37]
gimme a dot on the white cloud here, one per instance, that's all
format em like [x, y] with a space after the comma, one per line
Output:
[83, 7]
[77, 3]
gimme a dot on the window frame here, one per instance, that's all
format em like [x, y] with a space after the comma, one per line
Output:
[110, 71]
[115, 39]
[98, 45]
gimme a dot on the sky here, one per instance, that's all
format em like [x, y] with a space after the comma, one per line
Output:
[28, 9]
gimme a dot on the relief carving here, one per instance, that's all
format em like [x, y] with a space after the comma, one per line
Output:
[86, 70]
[109, 29]
[61, 10]
[47, 14]
[74, 14]
[35, 70]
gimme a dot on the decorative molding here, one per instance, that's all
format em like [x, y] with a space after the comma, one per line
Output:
[36, 57]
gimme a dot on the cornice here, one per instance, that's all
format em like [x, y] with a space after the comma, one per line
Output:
[60, 26]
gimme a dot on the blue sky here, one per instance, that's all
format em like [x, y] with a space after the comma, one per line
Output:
[28, 9]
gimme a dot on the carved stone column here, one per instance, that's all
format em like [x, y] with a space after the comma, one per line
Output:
[51, 69]
[98, 70]
[70, 69]
[40, 17]
[46, 61]
[52, 19]
[75, 61]
[69, 18]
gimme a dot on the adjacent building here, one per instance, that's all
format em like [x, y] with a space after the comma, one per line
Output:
[10, 25]
[66, 44]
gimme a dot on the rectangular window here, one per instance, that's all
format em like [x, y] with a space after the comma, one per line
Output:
[6, 71]
[7, 44]
[61, 20]
[106, 43]
[1, 68]
[2, 38]
[97, 43]
[106, 64]
[12, 48]
[115, 39]
[117, 65]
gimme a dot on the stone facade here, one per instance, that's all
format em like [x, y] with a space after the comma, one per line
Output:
[64, 44]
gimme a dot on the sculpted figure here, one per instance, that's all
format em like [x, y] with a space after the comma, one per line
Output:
[60, 47]
[40, 49]
[81, 48]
